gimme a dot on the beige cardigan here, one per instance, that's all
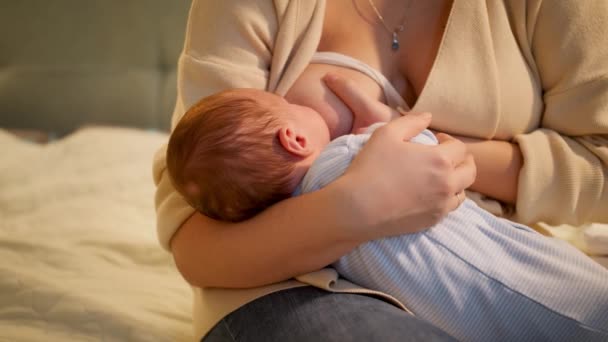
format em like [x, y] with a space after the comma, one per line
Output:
[529, 71]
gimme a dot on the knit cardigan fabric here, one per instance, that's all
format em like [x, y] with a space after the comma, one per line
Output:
[532, 72]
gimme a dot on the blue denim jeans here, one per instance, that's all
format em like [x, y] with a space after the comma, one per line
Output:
[311, 314]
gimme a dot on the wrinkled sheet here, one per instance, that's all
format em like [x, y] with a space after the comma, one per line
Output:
[79, 258]
[591, 238]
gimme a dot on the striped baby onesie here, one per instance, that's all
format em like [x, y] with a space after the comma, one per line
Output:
[476, 276]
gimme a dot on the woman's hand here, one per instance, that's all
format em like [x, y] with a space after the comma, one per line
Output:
[495, 159]
[402, 187]
[366, 110]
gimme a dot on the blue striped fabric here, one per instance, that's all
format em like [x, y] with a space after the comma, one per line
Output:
[476, 276]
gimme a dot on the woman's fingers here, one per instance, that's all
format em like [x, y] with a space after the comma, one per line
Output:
[464, 176]
[366, 109]
[456, 200]
[465, 173]
[454, 150]
[349, 93]
[408, 126]
[463, 167]
[359, 102]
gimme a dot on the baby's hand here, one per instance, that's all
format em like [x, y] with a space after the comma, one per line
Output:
[366, 110]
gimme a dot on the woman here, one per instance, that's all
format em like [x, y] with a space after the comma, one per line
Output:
[526, 83]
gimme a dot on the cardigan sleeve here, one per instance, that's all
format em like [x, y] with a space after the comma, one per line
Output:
[564, 178]
[228, 44]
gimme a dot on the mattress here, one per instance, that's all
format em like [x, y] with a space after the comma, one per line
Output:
[79, 258]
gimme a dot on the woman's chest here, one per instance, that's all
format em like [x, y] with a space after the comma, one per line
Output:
[369, 30]
[460, 61]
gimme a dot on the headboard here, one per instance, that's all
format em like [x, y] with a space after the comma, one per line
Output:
[66, 63]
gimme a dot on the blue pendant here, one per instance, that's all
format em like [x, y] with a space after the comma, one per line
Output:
[395, 45]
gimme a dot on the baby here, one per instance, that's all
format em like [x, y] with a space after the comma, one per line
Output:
[476, 276]
[239, 151]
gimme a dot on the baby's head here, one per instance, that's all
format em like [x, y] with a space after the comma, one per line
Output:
[239, 151]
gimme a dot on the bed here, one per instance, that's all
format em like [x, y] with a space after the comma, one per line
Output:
[79, 258]
[86, 92]
[86, 88]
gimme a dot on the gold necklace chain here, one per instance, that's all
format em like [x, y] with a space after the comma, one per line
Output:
[395, 32]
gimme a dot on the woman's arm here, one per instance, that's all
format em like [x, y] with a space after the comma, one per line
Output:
[293, 237]
[308, 232]
[564, 178]
[495, 160]
[557, 173]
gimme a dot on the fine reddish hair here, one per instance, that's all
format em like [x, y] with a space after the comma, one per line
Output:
[225, 158]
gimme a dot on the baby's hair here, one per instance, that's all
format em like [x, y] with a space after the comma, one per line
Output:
[225, 158]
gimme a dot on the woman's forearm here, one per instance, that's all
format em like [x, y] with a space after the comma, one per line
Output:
[498, 165]
[294, 237]
[308, 232]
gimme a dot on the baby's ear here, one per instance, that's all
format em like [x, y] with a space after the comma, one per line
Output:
[294, 142]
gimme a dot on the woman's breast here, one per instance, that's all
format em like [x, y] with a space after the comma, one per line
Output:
[310, 90]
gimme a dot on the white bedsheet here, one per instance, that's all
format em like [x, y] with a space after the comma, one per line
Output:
[590, 238]
[79, 259]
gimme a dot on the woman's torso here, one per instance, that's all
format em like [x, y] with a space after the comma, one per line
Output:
[485, 88]
[501, 100]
